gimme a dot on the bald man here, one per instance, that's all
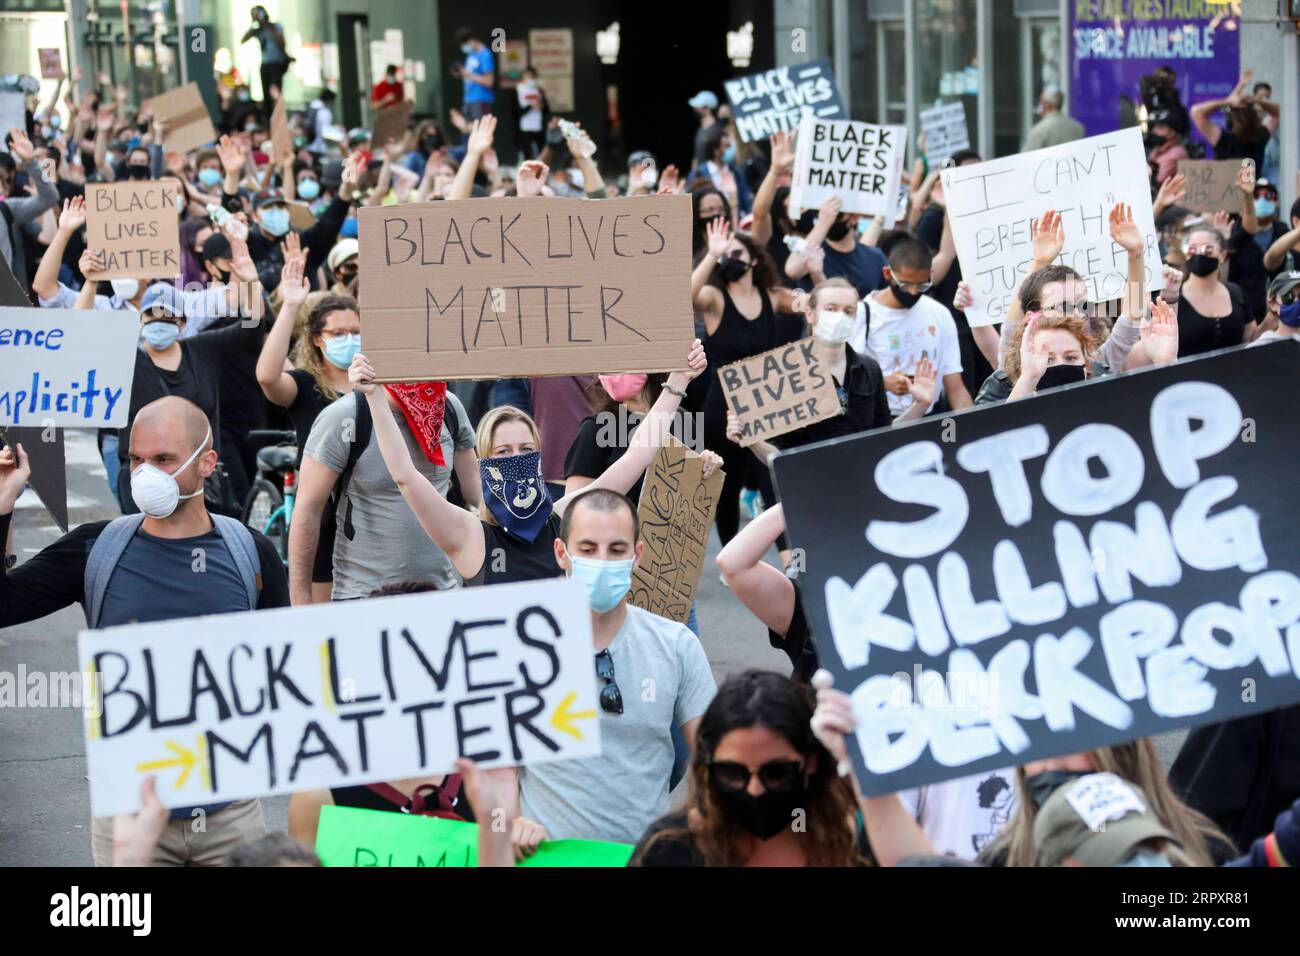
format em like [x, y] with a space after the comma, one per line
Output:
[175, 561]
[1055, 127]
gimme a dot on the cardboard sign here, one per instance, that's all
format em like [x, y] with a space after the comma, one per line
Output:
[66, 368]
[1102, 562]
[351, 837]
[676, 513]
[1211, 185]
[51, 62]
[189, 125]
[496, 288]
[992, 205]
[281, 140]
[765, 103]
[300, 215]
[390, 125]
[945, 132]
[779, 391]
[859, 162]
[134, 225]
[243, 705]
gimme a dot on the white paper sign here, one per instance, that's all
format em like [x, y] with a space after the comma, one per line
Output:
[859, 162]
[1102, 798]
[65, 367]
[12, 113]
[945, 131]
[235, 706]
[991, 207]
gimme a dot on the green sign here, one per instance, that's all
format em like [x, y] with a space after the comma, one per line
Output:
[351, 837]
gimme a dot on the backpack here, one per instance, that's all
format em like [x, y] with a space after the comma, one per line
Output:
[117, 534]
[361, 441]
[428, 800]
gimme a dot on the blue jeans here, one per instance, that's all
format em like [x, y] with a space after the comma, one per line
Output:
[111, 463]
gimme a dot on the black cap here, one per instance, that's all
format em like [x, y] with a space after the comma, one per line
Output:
[216, 246]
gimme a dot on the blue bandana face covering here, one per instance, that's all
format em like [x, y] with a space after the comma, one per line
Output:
[516, 493]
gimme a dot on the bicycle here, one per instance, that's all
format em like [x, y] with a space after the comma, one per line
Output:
[268, 508]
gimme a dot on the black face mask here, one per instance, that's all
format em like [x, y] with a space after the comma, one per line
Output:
[838, 230]
[223, 277]
[138, 172]
[1062, 375]
[905, 299]
[767, 815]
[732, 269]
[1043, 785]
[1200, 265]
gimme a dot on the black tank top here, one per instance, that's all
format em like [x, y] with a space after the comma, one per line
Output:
[1200, 333]
[507, 559]
[738, 337]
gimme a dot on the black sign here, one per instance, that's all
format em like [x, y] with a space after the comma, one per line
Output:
[774, 100]
[1100, 563]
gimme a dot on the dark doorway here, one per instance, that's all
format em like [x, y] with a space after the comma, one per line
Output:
[354, 69]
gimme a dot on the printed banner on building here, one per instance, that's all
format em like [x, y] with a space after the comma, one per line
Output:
[992, 207]
[494, 288]
[66, 368]
[1099, 563]
[774, 100]
[234, 706]
[859, 162]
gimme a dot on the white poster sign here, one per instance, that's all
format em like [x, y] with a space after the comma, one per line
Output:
[66, 368]
[236, 706]
[945, 132]
[992, 207]
[859, 162]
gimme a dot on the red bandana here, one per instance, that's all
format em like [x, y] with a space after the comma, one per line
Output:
[422, 404]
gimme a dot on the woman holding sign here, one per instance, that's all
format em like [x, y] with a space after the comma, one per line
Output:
[513, 538]
[1211, 314]
[734, 289]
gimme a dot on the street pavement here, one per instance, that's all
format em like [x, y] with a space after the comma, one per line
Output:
[44, 797]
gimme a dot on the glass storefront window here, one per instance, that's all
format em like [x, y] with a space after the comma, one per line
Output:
[948, 67]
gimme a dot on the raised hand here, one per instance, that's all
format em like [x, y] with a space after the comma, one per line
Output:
[292, 247]
[670, 180]
[1124, 231]
[15, 469]
[696, 363]
[231, 154]
[718, 233]
[353, 169]
[1173, 282]
[241, 261]
[91, 263]
[1246, 177]
[1048, 235]
[73, 216]
[362, 374]
[1161, 341]
[1173, 190]
[829, 211]
[1223, 224]
[104, 119]
[294, 286]
[531, 177]
[481, 134]
[782, 144]
[20, 146]
[833, 720]
[1033, 354]
[490, 164]
[962, 299]
[924, 383]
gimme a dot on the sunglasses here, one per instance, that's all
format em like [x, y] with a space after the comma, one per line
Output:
[777, 776]
[611, 700]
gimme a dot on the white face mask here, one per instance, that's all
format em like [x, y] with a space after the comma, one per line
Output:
[156, 492]
[125, 289]
[833, 328]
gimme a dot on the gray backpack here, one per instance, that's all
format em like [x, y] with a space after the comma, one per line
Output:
[113, 540]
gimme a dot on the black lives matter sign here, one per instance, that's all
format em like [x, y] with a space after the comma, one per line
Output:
[775, 100]
[1100, 563]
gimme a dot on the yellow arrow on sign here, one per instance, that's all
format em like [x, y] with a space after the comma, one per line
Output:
[562, 720]
[185, 758]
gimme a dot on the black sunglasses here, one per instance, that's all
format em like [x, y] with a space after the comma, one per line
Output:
[611, 700]
[775, 775]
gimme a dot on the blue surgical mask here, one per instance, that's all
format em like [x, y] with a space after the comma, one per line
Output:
[729, 155]
[309, 189]
[1289, 315]
[466, 49]
[1265, 208]
[210, 177]
[161, 335]
[515, 493]
[607, 581]
[275, 221]
[1146, 858]
[342, 349]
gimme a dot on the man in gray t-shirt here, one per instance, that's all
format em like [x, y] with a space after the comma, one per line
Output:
[663, 680]
[388, 545]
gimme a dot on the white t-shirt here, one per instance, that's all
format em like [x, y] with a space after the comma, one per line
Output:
[1272, 335]
[899, 338]
[960, 817]
[530, 120]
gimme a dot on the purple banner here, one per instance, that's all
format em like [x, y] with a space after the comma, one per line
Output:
[1114, 43]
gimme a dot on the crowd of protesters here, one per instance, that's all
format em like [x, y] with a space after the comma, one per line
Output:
[263, 332]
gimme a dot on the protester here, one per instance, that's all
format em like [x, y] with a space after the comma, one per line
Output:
[1170, 150]
[17, 209]
[835, 235]
[1245, 136]
[275, 56]
[510, 539]
[141, 568]
[1211, 314]
[1283, 319]
[705, 105]
[758, 769]
[534, 112]
[478, 71]
[1055, 128]
[1284, 254]
[389, 91]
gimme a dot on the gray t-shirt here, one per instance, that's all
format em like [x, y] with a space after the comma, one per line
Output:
[389, 546]
[664, 678]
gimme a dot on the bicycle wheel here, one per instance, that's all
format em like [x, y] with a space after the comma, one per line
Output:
[262, 502]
